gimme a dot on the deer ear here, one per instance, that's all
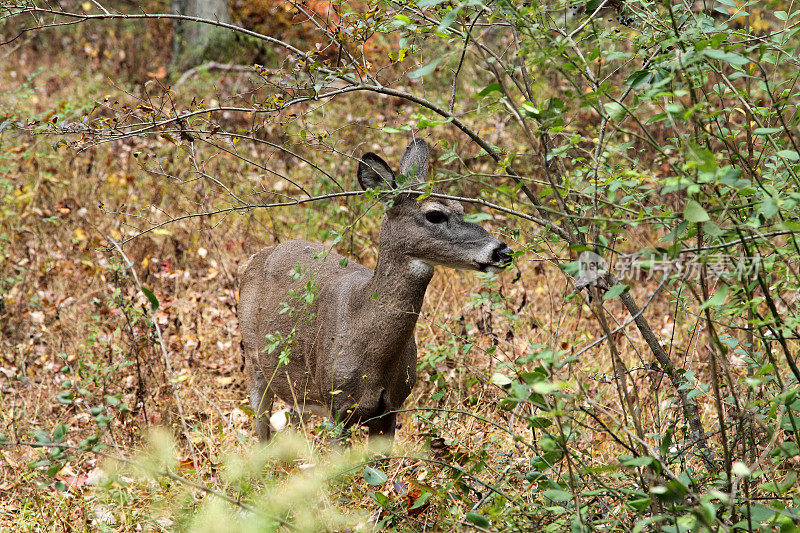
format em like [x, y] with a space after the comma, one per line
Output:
[374, 173]
[414, 163]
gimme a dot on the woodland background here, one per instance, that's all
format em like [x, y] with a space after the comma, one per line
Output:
[142, 160]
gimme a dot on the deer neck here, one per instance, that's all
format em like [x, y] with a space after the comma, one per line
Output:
[397, 288]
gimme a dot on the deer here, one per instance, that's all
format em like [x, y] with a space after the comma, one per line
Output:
[333, 337]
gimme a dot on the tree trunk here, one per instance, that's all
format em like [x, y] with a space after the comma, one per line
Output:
[194, 42]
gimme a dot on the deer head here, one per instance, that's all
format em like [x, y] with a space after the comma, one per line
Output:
[433, 231]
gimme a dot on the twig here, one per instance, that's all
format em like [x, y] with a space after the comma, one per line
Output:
[211, 65]
[460, 64]
[344, 194]
[164, 353]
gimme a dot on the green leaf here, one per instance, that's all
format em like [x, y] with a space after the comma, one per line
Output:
[727, 57]
[449, 18]
[152, 297]
[788, 450]
[558, 495]
[500, 380]
[615, 110]
[761, 513]
[428, 3]
[769, 207]
[706, 161]
[717, 299]
[66, 397]
[489, 89]
[426, 123]
[632, 462]
[766, 131]
[54, 469]
[712, 229]
[477, 217]
[531, 110]
[59, 432]
[694, 212]
[676, 232]
[570, 268]
[545, 387]
[592, 5]
[791, 155]
[615, 291]
[381, 499]
[731, 177]
[539, 422]
[426, 69]
[789, 481]
[643, 525]
[478, 520]
[374, 476]
[57, 145]
[42, 436]
[421, 500]
[640, 504]
[637, 78]
[771, 486]
[534, 475]
[404, 127]
[666, 443]
[113, 401]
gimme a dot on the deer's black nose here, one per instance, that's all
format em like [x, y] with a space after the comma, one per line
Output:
[502, 255]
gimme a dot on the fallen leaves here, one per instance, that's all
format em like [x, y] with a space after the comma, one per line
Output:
[73, 481]
[159, 74]
[224, 381]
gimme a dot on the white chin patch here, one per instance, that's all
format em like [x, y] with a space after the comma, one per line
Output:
[486, 254]
[421, 268]
[493, 269]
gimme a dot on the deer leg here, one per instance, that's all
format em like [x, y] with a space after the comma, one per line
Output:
[263, 413]
[383, 426]
[261, 400]
[381, 419]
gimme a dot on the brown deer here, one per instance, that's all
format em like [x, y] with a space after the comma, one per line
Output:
[321, 332]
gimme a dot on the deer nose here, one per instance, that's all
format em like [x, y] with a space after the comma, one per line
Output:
[502, 254]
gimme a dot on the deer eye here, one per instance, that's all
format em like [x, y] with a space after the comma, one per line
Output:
[435, 217]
